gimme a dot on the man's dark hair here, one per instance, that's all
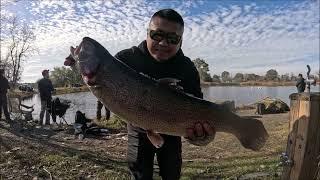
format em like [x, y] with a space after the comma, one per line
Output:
[170, 15]
[300, 75]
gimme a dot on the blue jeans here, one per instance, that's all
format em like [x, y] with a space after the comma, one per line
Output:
[140, 156]
[44, 109]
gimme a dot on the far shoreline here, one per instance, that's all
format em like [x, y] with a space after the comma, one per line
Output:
[250, 83]
[70, 90]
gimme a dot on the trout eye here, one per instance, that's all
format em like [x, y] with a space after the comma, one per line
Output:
[83, 55]
[88, 47]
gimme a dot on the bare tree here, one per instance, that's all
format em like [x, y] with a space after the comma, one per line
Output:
[17, 39]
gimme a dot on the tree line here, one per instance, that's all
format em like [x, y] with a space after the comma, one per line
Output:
[65, 76]
[226, 77]
[62, 76]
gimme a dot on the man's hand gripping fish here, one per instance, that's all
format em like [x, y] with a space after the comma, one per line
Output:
[151, 105]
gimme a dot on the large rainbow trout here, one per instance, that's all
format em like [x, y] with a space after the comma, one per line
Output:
[151, 105]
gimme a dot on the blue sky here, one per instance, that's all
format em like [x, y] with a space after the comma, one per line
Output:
[232, 35]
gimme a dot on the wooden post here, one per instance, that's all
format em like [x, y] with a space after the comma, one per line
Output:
[303, 148]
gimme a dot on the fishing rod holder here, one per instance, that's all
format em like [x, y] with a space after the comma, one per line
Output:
[309, 81]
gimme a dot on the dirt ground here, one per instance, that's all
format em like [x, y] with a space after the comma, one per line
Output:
[32, 152]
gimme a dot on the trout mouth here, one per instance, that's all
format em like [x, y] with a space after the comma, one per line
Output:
[90, 80]
[84, 59]
[88, 76]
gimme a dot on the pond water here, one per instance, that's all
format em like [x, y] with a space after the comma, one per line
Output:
[86, 101]
[250, 94]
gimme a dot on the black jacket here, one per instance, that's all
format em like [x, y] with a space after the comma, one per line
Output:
[45, 88]
[4, 85]
[178, 67]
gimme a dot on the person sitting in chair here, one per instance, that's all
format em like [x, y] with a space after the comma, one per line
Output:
[80, 124]
[83, 126]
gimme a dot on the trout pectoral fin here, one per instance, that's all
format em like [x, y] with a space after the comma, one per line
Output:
[155, 138]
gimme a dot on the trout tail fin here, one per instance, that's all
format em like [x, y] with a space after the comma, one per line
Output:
[254, 135]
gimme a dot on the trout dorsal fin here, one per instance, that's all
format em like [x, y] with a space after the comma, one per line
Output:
[169, 81]
[147, 76]
[173, 83]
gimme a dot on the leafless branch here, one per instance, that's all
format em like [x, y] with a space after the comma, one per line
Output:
[19, 37]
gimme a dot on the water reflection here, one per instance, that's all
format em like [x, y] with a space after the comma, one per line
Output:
[83, 101]
[86, 101]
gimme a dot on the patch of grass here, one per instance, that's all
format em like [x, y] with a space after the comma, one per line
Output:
[115, 122]
[224, 158]
[59, 90]
[70, 167]
[230, 168]
[68, 90]
[21, 94]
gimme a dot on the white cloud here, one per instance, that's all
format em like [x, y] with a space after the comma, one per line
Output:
[234, 37]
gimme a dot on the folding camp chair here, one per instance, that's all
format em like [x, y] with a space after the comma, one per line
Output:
[58, 107]
[18, 110]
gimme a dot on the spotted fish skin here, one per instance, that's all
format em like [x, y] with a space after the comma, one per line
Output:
[146, 103]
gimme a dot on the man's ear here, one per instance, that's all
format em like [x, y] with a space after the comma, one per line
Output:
[180, 43]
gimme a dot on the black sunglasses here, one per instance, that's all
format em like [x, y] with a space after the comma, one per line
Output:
[158, 35]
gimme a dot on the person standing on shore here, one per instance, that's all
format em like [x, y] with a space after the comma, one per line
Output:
[4, 86]
[45, 88]
[301, 84]
[99, 108]
[160, 56]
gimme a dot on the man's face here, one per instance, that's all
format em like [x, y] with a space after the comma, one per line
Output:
[46, 75]
[164, 38]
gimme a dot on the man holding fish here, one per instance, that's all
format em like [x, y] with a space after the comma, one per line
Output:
[156, 90]
[160, 57]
